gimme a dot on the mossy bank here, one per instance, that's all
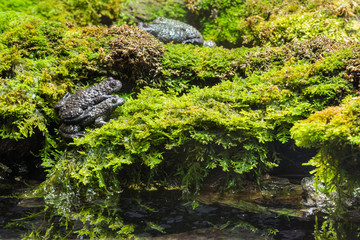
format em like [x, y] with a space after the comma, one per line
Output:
[189, 110]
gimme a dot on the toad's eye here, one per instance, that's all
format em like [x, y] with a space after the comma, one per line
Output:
[114, 100]
[112, 84]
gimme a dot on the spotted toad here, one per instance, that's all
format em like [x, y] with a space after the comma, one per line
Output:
[95, 115]
[71, 108]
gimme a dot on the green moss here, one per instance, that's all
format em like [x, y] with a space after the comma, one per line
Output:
[148, 10]
[187, 65]
[229, 23]
[206, 109]
[334, 132]
[165, 139]
[97, 12]
[35, 38]
[41, 60]
[81, 13]
[274, 23]
[334, 127]
[59, 58]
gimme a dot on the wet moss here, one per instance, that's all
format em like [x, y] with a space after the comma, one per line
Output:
[46, 59]
[186, 65]
[333, 131]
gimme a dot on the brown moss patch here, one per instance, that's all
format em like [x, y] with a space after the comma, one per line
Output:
[134, 52]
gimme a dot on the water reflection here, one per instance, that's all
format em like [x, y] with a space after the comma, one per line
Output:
[163, 215]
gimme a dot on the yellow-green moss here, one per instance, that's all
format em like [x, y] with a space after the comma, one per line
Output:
[41, 60]
[274, 23]
[166, 139]
[207, 108]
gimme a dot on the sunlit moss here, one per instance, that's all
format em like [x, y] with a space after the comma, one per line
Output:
[332, 130]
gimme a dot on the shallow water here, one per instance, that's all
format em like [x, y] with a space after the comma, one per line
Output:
[10, 210]
[163, 215]
[179, 219]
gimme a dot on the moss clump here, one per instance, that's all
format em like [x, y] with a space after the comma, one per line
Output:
[148, 10]
[133, 53]
[230, 23]
[335, 132]
[34, 38]
[43, 60]
[80, 13]
[186, 65]
[313, 49]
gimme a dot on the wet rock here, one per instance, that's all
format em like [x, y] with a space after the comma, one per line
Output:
[274, 195]
[171, 30]
[315, 197]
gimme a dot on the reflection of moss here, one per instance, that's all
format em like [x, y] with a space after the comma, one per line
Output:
[333, 229]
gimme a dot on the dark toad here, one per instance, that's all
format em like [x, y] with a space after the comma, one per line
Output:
[170, 30]
[95, 115]
[71, 108]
